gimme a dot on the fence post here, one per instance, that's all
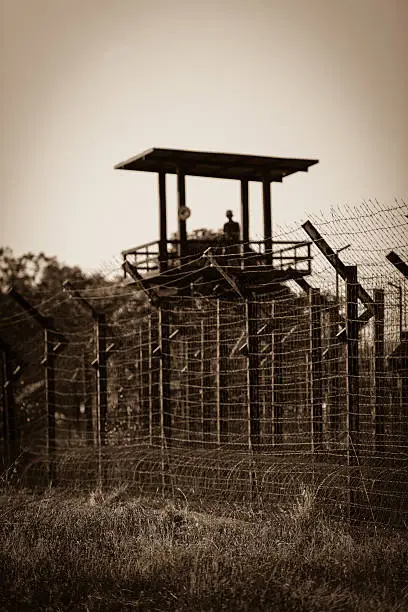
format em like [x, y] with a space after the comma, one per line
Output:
[404, 404]
[101, 372]
[277, 377]
[402, 267]
[203, 382]
[100, 363]
[165, 390]
[150, 378]
[207, 395]
[145, 399]
[379, 369]
[195, 379]
[7, 401]
[316, 355]
[54, 342]
[165, 365]
[87, 400]
[254, 426]
[334, 356]
[8, 376]
[308, 411]
[352, 381]
[155, 359]
[140, 383]
[187, 421]
[49, 363]
[222, 411]
[352, 363]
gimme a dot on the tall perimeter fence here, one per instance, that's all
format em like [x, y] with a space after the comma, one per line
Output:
[240, 399]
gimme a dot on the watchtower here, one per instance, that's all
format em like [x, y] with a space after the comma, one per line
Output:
[249, 265]
[222, 271]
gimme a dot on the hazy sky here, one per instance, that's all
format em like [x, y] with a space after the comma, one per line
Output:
[89, 83]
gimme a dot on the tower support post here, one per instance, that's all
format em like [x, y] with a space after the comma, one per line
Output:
[267, 220]
[163, 254]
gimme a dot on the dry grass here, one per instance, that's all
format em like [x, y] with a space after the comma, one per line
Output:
[109, 551]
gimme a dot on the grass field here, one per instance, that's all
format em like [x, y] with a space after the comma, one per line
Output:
[94, 551]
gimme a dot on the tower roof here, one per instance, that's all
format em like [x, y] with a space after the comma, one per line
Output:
[216, 165]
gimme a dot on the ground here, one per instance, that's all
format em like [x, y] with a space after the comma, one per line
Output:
[105, 551]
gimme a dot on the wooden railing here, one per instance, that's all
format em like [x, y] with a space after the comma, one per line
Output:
[285, 254]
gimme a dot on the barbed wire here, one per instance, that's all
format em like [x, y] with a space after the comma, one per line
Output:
[242, 397]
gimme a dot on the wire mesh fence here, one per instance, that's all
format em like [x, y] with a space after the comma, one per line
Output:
[248, 398]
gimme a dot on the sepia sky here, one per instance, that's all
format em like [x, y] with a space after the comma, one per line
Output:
[89, 83]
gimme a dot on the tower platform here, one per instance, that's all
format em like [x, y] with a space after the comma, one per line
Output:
[232, 262]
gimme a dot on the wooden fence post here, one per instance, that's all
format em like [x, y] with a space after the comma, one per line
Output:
[379, 369]
[187, 421]
[150, 378]
[145, 376]
[402, 267]
[54, 343]
[222, 409]
[156, 366]
[207, 395]
[277, 352]
[334, 356]
[102, 375]
[165, 391]
[352, 382]
[195, 380]
[316, 355]
[352, 364]
[165, 365]
[8, 376]
[203, 383]
[254, 426]
[6, 396]
[87, 401]
[50, 400]
[100, 363]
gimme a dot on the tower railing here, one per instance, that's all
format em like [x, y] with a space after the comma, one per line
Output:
[245, 255]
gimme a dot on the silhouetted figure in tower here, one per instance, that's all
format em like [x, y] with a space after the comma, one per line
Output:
[232, 231]
[232, 235]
